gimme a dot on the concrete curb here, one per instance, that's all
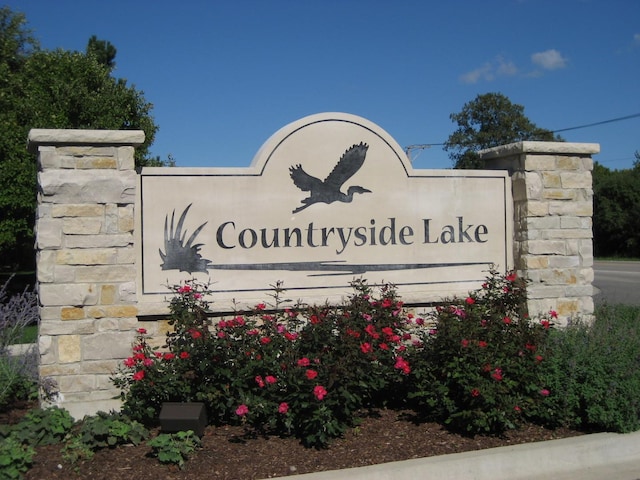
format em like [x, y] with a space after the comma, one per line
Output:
[589, 457]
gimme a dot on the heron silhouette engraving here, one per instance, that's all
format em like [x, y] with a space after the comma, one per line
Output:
[328, 191]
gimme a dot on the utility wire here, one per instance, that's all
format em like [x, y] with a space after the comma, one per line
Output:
[619, 119]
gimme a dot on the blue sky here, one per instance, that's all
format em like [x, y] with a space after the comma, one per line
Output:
[225, 75]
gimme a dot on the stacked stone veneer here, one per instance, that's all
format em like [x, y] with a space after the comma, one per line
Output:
[553, 209]
[86, 252]
[86, 271]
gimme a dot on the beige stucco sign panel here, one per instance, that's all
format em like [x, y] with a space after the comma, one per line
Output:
[327, 199]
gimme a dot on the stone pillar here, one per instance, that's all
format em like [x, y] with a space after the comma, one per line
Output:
[86, 276]
[553, 209]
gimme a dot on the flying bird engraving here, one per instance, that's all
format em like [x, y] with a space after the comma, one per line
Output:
[328, 191]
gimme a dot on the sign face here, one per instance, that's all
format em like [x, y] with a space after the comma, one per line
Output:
[327, 199]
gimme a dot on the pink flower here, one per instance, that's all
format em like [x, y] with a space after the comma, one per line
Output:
[221, 334]
[270, 379]
[539, 358]
[517, 409]
[544, 392]
[184, 289]
[139, 375]
[197, 296]
[402, 364]
[311, 374]
[259, 381]
[261, 306]
[147, 362]
[497, 374]
[242, 410]
[142, 331]
[283, 408]
[303, 362]
[320, 392]
[470, 301]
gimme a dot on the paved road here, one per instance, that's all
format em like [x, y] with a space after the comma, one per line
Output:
[617, 282]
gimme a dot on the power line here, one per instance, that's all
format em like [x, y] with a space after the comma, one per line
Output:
[619, 119]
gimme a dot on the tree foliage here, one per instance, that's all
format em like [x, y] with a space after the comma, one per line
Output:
[616, 212]
[53, 89]
[488, 121]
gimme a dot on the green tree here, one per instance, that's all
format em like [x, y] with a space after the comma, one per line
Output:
[488, 121]
[616, 211]
[53, 89]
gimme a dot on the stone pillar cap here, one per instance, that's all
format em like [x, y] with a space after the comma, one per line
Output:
[44, 136]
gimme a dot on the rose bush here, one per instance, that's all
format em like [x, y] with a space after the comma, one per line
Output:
[310, 371]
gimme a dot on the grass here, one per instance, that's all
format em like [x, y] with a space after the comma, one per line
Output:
[29, 335]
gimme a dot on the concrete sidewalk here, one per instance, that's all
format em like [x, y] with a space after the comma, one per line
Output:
[608, 456]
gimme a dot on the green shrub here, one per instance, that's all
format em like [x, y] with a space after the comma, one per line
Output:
[174, 448]
[593, 372]
[480, 368]
[42, 427]
[103, 430]
[15, 458]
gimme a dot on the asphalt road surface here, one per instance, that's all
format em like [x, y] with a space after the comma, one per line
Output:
[616, 282]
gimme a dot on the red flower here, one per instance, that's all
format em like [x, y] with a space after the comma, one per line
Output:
[142, 331]
[511, 276]
[497, 374]
[147, 362]
[386, 303]
[290, 336]
[139, 375]
[283, 408]
[311, 374]
[544, 392]
[261, 306]
[371, 330]
[184, 289]
[545, 324]
[464, 342]
[553, 314]
[539, 358]
[320, 392]
[169, 356]
[470, 301]
[383, 346]
[506, 320]
[242, 410]
[314, 319]
[482, 344]
[388, 331]
[366, 347]
[184, 355]
[517, 409]
[265, 340]
[303, 362]
[475, 392]
[130, 362]
[270, 379]
[195, 334]
[259, 381]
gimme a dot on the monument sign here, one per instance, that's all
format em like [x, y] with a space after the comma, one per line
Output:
[327, 199]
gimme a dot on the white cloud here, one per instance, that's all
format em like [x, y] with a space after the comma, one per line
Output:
[488, 72]
[549, 59]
